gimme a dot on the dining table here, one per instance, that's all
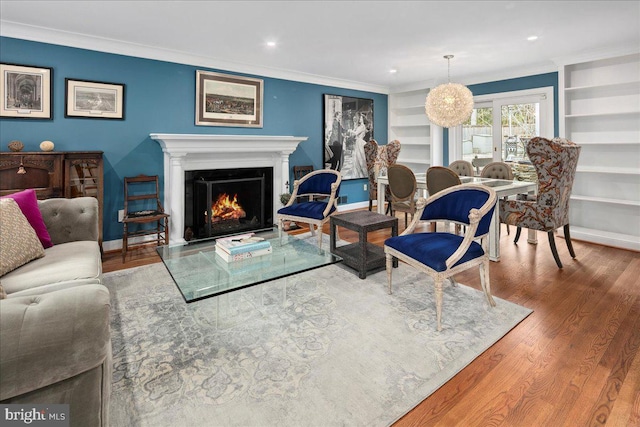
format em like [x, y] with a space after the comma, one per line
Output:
[502, 187]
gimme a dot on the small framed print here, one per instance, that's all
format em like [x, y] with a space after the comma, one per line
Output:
[226, 100]
[94, 100]
[26, 91]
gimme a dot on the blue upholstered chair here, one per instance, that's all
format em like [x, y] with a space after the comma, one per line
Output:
[320, 189]
[443, 254]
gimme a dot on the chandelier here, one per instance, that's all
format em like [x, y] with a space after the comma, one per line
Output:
[449, 104]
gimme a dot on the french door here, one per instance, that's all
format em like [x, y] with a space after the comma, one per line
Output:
[500, 126]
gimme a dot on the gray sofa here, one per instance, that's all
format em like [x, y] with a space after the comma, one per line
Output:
[55, 341]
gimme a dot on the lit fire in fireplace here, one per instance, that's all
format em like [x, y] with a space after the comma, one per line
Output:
[226, 208]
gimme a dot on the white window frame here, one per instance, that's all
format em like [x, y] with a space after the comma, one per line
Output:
[542, 95]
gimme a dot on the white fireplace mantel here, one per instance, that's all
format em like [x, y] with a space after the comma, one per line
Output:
[185, 152]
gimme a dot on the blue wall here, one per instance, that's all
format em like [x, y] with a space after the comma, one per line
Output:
[521, 83]
[160, 98]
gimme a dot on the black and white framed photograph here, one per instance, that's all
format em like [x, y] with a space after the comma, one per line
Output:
[227, 100]
[26, 91]
[348, 125]
[94, 100]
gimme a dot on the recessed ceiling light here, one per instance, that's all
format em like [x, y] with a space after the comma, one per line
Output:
[271, 44]
[532, 38]
[393, 71]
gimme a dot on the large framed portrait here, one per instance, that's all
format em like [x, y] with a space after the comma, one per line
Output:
[26, 91]
[348, 125]
[227, 100]
[94, 100]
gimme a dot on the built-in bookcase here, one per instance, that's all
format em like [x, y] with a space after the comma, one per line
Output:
[409, 124]
[600, 110]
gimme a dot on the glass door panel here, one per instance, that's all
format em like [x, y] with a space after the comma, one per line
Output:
[520, 123]
[477, 137]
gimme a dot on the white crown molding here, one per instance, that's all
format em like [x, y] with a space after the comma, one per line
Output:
[82, 41]
[597, 54]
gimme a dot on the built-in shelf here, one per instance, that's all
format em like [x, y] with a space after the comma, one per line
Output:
[606, 200]
[409, 124]
[608, 170]
[600, 100]
[604, 88]
[603, 114]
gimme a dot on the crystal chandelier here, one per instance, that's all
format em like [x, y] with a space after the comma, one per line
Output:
[449, 104]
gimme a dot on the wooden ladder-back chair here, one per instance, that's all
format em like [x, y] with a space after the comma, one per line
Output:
[142, 206]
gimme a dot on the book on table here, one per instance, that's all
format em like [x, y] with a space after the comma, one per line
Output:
[242, 243]
[243, 255]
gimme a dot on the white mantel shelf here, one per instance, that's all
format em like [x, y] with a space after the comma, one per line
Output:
[185, 152]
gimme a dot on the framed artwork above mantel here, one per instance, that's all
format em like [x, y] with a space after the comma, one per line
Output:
[228, 100]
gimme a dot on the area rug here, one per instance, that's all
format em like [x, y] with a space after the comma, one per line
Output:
[320, 348]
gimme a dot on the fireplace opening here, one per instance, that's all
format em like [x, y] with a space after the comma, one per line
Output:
[226, 201]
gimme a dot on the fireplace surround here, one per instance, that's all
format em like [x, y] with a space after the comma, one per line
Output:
[190, 152]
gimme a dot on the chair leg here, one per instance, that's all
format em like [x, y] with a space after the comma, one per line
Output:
[554, 250]
[319, 236]
[405, 220]
[124, 242]
[389, 270]
[486, 283]
[438, 289]
[567, 238]
[518, 231]
[370, 205]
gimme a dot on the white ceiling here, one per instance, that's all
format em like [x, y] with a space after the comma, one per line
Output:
[343, 43]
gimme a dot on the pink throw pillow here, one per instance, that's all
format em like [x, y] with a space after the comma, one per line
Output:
[28, 203]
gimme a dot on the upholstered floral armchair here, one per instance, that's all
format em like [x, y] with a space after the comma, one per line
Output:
[555, 162]
[378, 159]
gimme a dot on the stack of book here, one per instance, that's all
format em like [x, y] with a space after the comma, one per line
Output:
[237, 248]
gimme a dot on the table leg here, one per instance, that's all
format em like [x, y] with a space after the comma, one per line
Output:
[381, 190]
[332, 236]
[362, 241]
[494, 235]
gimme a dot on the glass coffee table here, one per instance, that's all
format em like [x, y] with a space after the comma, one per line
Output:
[200, 273]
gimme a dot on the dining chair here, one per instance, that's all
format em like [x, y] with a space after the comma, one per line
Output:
[555, 161]
[370, 156]
[462, 167]
[438, 179]
[403, 187]
[442, 255]
[300, 171]
[498, 170]
[321, 189]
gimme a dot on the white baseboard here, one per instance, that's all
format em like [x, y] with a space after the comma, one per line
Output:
[606, 238]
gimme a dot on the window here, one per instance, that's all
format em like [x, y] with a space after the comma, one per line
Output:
[500, 126]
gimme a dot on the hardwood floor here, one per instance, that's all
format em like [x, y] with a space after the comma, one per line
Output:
[575, 361]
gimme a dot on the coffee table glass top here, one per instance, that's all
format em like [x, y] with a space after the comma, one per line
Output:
[200, 273]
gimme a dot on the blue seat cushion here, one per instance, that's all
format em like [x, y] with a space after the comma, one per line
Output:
[433, 249]
[311, 210]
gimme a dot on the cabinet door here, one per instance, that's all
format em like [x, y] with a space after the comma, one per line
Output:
[83, 178]
[42, 172]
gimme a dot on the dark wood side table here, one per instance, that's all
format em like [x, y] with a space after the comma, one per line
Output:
[363, 256]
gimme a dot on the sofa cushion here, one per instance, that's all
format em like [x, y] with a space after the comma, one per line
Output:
[19, 243]
[63, 266]
[28, 203]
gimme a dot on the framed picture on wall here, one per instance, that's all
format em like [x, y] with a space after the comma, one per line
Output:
[226, 100]
[348, 124]
[94, 100]
[26, 91]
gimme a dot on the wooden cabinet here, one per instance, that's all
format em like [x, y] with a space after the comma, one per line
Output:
[54, 174]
